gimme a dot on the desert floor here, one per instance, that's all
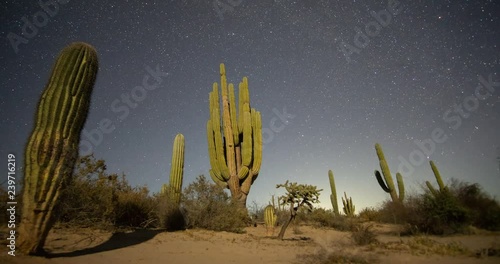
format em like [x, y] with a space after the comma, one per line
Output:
[75, 246]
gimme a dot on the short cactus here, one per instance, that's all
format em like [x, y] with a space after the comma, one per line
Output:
[348, 206]
[270, 219]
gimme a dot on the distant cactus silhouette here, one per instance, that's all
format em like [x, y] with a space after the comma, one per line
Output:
[348, 206]
[52, 148]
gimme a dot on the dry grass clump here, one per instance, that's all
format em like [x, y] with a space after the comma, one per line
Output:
[363, 235]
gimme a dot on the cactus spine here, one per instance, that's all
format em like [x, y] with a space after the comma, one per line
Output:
[235, 144]
[177, 169]
[348, 206]
[388, 185]
[333, 196]
[52, 148]
[270, 219]
[442, 187]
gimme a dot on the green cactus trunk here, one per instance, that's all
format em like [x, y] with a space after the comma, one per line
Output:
[177, 169]
[333, 196]
[388, 185]
[348, 206]
[235, 144]
[52, 148]
[270, 219]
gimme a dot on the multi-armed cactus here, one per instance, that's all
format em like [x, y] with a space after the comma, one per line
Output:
[235, 144]
[442, 187]
[388, 185]
[270, 219]
[333, 196]
[176, 169]
[348, 206]
[52, 148]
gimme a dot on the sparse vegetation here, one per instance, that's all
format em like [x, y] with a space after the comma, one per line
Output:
[324, 257]
[297, 196]
[363, 235]
[207, 206]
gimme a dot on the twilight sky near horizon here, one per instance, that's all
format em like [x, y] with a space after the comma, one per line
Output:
[330, 78]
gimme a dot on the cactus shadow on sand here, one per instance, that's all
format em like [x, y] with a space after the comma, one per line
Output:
[116, 241]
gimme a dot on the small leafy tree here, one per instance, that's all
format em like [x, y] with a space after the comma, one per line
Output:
[297, 196]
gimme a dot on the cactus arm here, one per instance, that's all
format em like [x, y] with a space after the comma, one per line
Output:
[232, 112]
[401, 186]
[257, 142]
[217, 181]
[381, 182]
[431, 189]
[439, 180]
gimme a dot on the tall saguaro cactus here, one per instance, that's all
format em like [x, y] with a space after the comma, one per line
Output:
[52, 148]
[333, 196]
[388, 185]
[235, 143]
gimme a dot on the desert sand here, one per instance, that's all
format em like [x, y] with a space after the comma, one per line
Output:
[84, 246]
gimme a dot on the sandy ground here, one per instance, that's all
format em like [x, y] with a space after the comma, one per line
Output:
[201, 246]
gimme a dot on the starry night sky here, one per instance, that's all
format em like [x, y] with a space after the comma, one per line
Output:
[329, 80]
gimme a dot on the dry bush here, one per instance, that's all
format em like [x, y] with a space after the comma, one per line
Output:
[207, 206]
[94, 198]
[169, 215]
[363, 235]
[135, 208]
[369, 214]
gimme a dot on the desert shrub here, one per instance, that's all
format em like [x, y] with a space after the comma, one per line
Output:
[94, 198]
[169, 215]
[207, 206]
[134, 208]
[484, 211]
[393, 212]
[363, 235]
[441, 214]
[369, 214]
[320, 217]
